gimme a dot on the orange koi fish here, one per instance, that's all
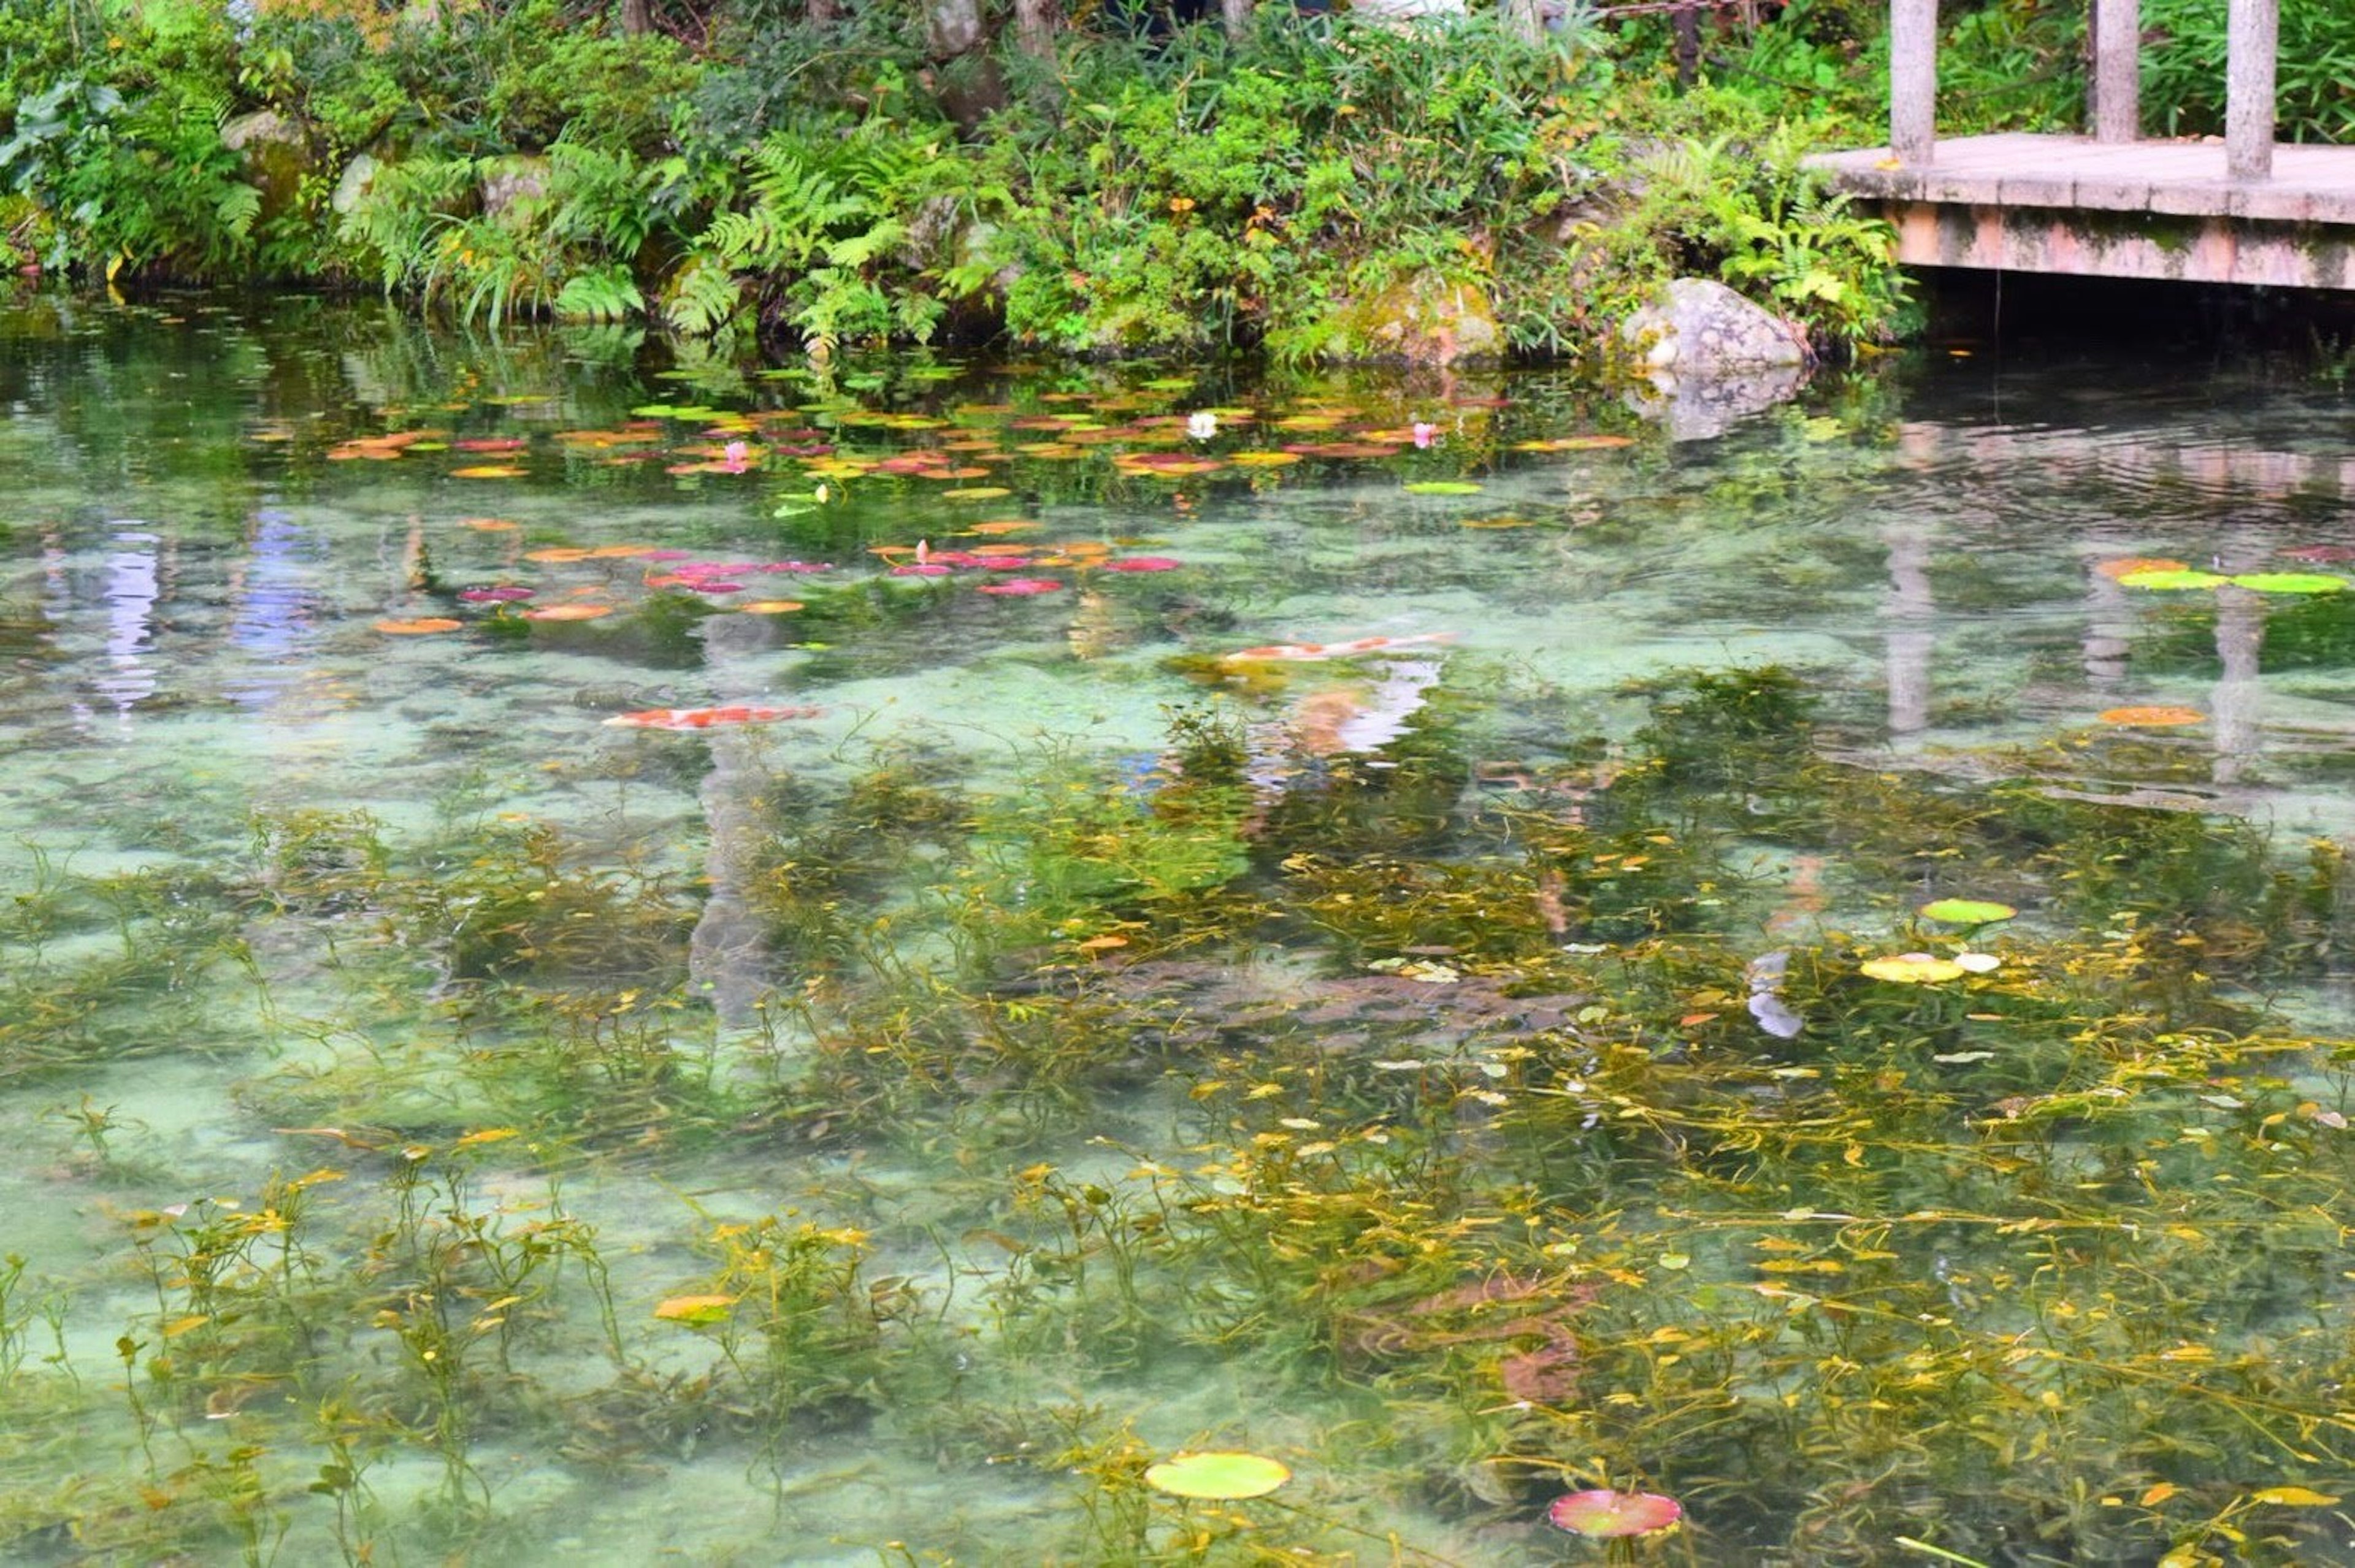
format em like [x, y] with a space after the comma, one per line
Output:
[1312, 653]
[706, 718]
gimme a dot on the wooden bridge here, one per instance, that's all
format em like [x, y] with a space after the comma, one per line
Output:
[2111, 204]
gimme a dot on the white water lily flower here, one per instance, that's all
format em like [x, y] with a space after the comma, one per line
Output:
[1202, 424]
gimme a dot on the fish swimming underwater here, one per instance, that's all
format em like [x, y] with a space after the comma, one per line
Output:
[705, 718]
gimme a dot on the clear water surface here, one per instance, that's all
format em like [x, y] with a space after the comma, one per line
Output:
[450, 1125]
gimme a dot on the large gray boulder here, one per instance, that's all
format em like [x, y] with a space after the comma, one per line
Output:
[1697, 328]
[354, 185]
[274, 156]
[519, 180]
[1427, 319]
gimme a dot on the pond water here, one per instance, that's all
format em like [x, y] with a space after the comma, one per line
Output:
[611, 960]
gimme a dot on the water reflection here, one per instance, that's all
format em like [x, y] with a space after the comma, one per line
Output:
[278, 614]
[132, 584]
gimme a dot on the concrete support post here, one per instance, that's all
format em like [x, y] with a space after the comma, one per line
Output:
[2117, 71]
[2251, 36]
[1913, 78]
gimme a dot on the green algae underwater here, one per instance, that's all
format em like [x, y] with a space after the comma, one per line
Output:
[1643, 991]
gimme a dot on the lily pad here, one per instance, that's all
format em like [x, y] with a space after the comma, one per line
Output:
[2290, 582]
[2146, 718]
[2173, 580]
[1219, 1476]
[2130, 565]
[1442, 487]
[1606, 1514]
[1967, 911]
[696, 1309]
[1913, 970]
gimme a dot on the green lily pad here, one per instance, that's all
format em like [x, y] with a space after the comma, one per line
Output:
[1219, 1476]
[2290, 582]
[1967, 911]
[2167, 579]
[1442, 487]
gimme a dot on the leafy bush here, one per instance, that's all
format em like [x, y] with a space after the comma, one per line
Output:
[1183, 191]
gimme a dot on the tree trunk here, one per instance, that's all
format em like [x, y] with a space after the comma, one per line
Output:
[824, 13]
[1688, 26]
[1036, 23]
[1237, 15]
[637, 17]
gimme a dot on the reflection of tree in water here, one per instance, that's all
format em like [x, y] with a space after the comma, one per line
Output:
[727, 957]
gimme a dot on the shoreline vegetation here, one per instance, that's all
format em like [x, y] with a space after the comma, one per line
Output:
[1400, 181]
[1102, 183]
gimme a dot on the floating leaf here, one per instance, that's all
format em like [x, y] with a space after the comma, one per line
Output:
[2132, 565]
[695, 1309]
[1913, 970]
[489, 471]
[568, 612]
[978, 493]
[1442, 487]
[1978, 963]
[423, 626]
[1608, 1514]
[2151, 717]
[2292, 1497]
[2290, 582]
[1219, 1476]
[768, 607]
[1968, 911]
[2173, 579]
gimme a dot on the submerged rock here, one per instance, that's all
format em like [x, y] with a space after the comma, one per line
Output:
[1700, 408]
[1707, 358]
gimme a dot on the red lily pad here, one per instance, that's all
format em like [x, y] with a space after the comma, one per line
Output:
[1606, 1514]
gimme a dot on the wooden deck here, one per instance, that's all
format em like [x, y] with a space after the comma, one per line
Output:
[2119, 209]
[2309, 184]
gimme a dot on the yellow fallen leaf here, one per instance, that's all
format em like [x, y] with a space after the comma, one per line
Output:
[695, 1309]
[2292, 1497]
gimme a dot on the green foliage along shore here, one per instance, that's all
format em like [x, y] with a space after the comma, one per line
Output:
[1313, 186]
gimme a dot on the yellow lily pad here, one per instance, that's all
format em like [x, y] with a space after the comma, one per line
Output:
[696, 1309]
[1219, 1476]
[1913, 970]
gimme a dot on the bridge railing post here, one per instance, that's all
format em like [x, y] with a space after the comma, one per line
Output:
[1913, 80]
[2117, 71]
[2252, 29]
